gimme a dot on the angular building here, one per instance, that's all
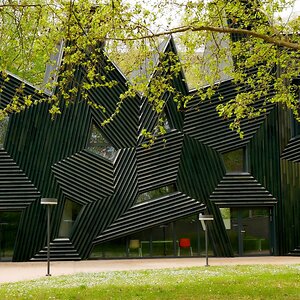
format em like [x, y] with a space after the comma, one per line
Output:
[119, 199]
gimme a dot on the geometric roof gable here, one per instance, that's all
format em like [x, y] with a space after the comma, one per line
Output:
[203, 123]
[11, 88]
[149, 118]
[122, 131]
[16, 190]
[241, 189]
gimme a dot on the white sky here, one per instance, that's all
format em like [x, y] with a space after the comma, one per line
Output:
[292, 13]
[286, 15]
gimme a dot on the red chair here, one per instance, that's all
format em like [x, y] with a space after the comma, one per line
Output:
[185, 243]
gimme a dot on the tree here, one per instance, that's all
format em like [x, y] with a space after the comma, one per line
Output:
[244, 40]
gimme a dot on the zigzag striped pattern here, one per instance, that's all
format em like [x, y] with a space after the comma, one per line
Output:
[158, 166]
[147, 215]
[203, 123]
[241, 190]
[85, 177]
[16, 190]
[291, 151]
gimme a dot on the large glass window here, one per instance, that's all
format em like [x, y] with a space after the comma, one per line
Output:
[111, 249]
[157, 193]
[70, 214]
[9, 224]
[99, 145]
[235, 161]
[184, 237]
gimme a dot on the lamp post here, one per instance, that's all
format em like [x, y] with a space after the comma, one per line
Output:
[48, 202]
[204, 218]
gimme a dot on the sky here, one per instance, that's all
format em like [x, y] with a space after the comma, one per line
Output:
[292, 13]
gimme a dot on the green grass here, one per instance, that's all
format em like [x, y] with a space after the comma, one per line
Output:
[226, 282]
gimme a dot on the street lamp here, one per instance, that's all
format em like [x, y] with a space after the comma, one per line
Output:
[48, 202]
[204, 218]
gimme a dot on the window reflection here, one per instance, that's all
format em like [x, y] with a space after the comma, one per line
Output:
[70, 213]
[99, 145]
[235, 161]
[248, 230]
[158, 241]
[157, 193]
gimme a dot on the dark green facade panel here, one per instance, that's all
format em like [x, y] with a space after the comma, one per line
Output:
[288, 211]
[200, 171]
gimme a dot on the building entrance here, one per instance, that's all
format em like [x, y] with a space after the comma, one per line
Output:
[249, 230]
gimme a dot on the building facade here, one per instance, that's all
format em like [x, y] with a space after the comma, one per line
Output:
[119, 199]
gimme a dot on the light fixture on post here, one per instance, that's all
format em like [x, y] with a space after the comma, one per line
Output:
[48, 202]
[204, 219]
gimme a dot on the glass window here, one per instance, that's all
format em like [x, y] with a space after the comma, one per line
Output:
[157, 193]
[99, 145]
[3, 130]
[235, 161]
[190, 228]
[165, 122]
[183, 237]
[111, 249]
[225, 213]
[70, 214]
[9, 223]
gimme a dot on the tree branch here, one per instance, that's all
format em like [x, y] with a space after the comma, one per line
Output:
[269, 39]
[22, 5]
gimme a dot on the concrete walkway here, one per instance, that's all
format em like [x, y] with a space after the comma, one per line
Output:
[15, 271]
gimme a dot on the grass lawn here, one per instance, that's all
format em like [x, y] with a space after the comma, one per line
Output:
[226, 282]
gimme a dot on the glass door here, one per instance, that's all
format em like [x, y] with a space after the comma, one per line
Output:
[249, 230]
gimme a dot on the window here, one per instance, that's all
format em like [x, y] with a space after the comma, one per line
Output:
[99, 145]
[225, 213]
[3, 130]
[165, 122]
[157, 193]
[159, 241]
[235, 161]
[70, 214]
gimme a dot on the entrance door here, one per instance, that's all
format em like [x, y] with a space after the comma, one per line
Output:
[249, 231]
[9, 223]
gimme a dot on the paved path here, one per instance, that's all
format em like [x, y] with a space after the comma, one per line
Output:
[15, 271]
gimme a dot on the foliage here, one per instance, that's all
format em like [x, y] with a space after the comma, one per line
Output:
[227, 282]
[246, 41]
